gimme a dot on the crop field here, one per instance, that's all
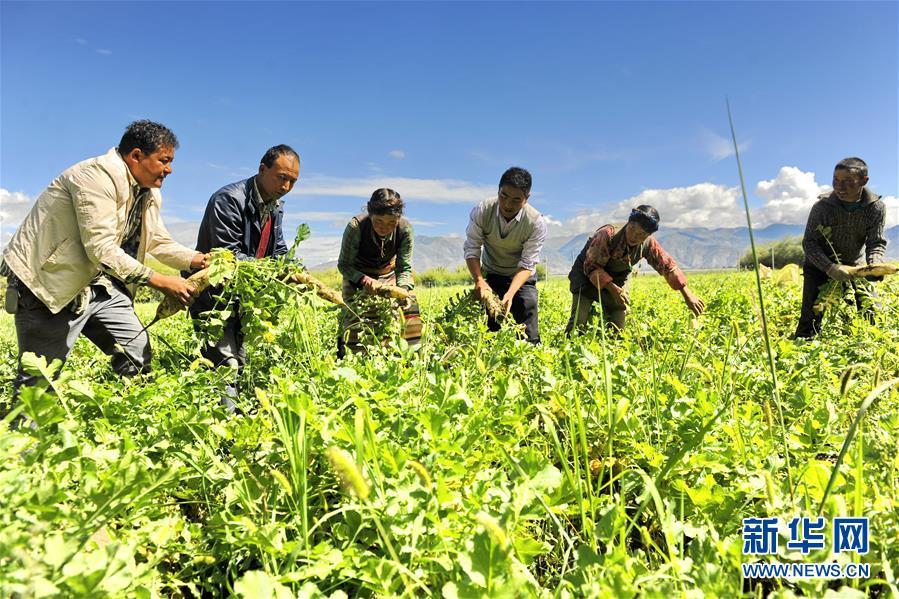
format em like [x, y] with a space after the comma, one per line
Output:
[478, 466]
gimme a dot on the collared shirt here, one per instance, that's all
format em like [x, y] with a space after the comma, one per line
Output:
[133, 223]
[265, 208]
[474, 236]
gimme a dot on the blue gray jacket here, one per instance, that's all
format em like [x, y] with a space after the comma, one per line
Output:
[231, 221]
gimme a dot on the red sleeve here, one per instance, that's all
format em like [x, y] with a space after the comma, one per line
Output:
[665, 265]
[598, 255]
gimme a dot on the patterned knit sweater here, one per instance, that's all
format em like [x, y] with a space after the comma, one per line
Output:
[836, 234]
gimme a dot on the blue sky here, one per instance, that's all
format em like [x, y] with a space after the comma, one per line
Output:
[608, 104]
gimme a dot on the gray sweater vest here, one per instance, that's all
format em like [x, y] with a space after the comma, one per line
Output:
[501, 255]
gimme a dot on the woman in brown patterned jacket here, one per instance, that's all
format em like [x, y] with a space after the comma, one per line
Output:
[602, 270]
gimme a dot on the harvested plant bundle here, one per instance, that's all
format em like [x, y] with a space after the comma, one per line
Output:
[492, 304]
[389, 291]
[874, 270]
[322, 290]
[169, 306]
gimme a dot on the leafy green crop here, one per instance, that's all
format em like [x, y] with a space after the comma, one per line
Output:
[476, 466]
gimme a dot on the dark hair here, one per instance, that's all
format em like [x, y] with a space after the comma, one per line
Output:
[147, 137]
[275, 152]
[854, 165]
[385, 202]
[646, 216]
[518, 178]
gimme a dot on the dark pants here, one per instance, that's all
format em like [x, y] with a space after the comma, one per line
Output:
[809, 322]
[227, 351]
[524, 304]
[108, 321]
[583, 307]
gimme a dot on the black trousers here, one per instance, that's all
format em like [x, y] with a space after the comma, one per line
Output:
[809, 322]
[524, 304]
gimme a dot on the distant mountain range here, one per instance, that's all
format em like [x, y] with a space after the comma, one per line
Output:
[692, 248]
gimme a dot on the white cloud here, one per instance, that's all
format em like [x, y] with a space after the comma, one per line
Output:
[339, 219]
[103, 51]
[14, 205]
[434, 191]
[718, 147]
[892, 204]
[701, 205]
[550, 221]
[398, 154]
[335, 219]
[788, 197]
[80, 41]
[787, 200]
[318, 250]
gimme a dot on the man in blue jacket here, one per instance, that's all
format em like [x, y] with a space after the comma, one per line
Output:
[245, 217]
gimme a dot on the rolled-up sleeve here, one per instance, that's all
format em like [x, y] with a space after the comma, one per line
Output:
[665, 265]
[530, 251]
[474, 234]
[597, 256]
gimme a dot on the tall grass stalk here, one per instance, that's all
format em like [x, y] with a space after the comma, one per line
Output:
[758, 281]
[656, 434]
[585, 489]
[607, 393]
[291, 427]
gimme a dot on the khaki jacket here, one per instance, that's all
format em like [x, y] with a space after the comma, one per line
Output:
[75, 229]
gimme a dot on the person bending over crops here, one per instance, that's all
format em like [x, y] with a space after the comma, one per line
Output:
[245, 217]
[75, 261]
[376, 251]
[602, 271]
[502, 248]
[839, 225]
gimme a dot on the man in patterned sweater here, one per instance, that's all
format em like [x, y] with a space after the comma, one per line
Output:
[601, 272]
[839, 225]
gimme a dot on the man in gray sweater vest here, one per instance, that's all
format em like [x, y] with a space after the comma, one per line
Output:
[839, 225]
[502, 248]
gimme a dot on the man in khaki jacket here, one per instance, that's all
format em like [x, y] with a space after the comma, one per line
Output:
[75, 261]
